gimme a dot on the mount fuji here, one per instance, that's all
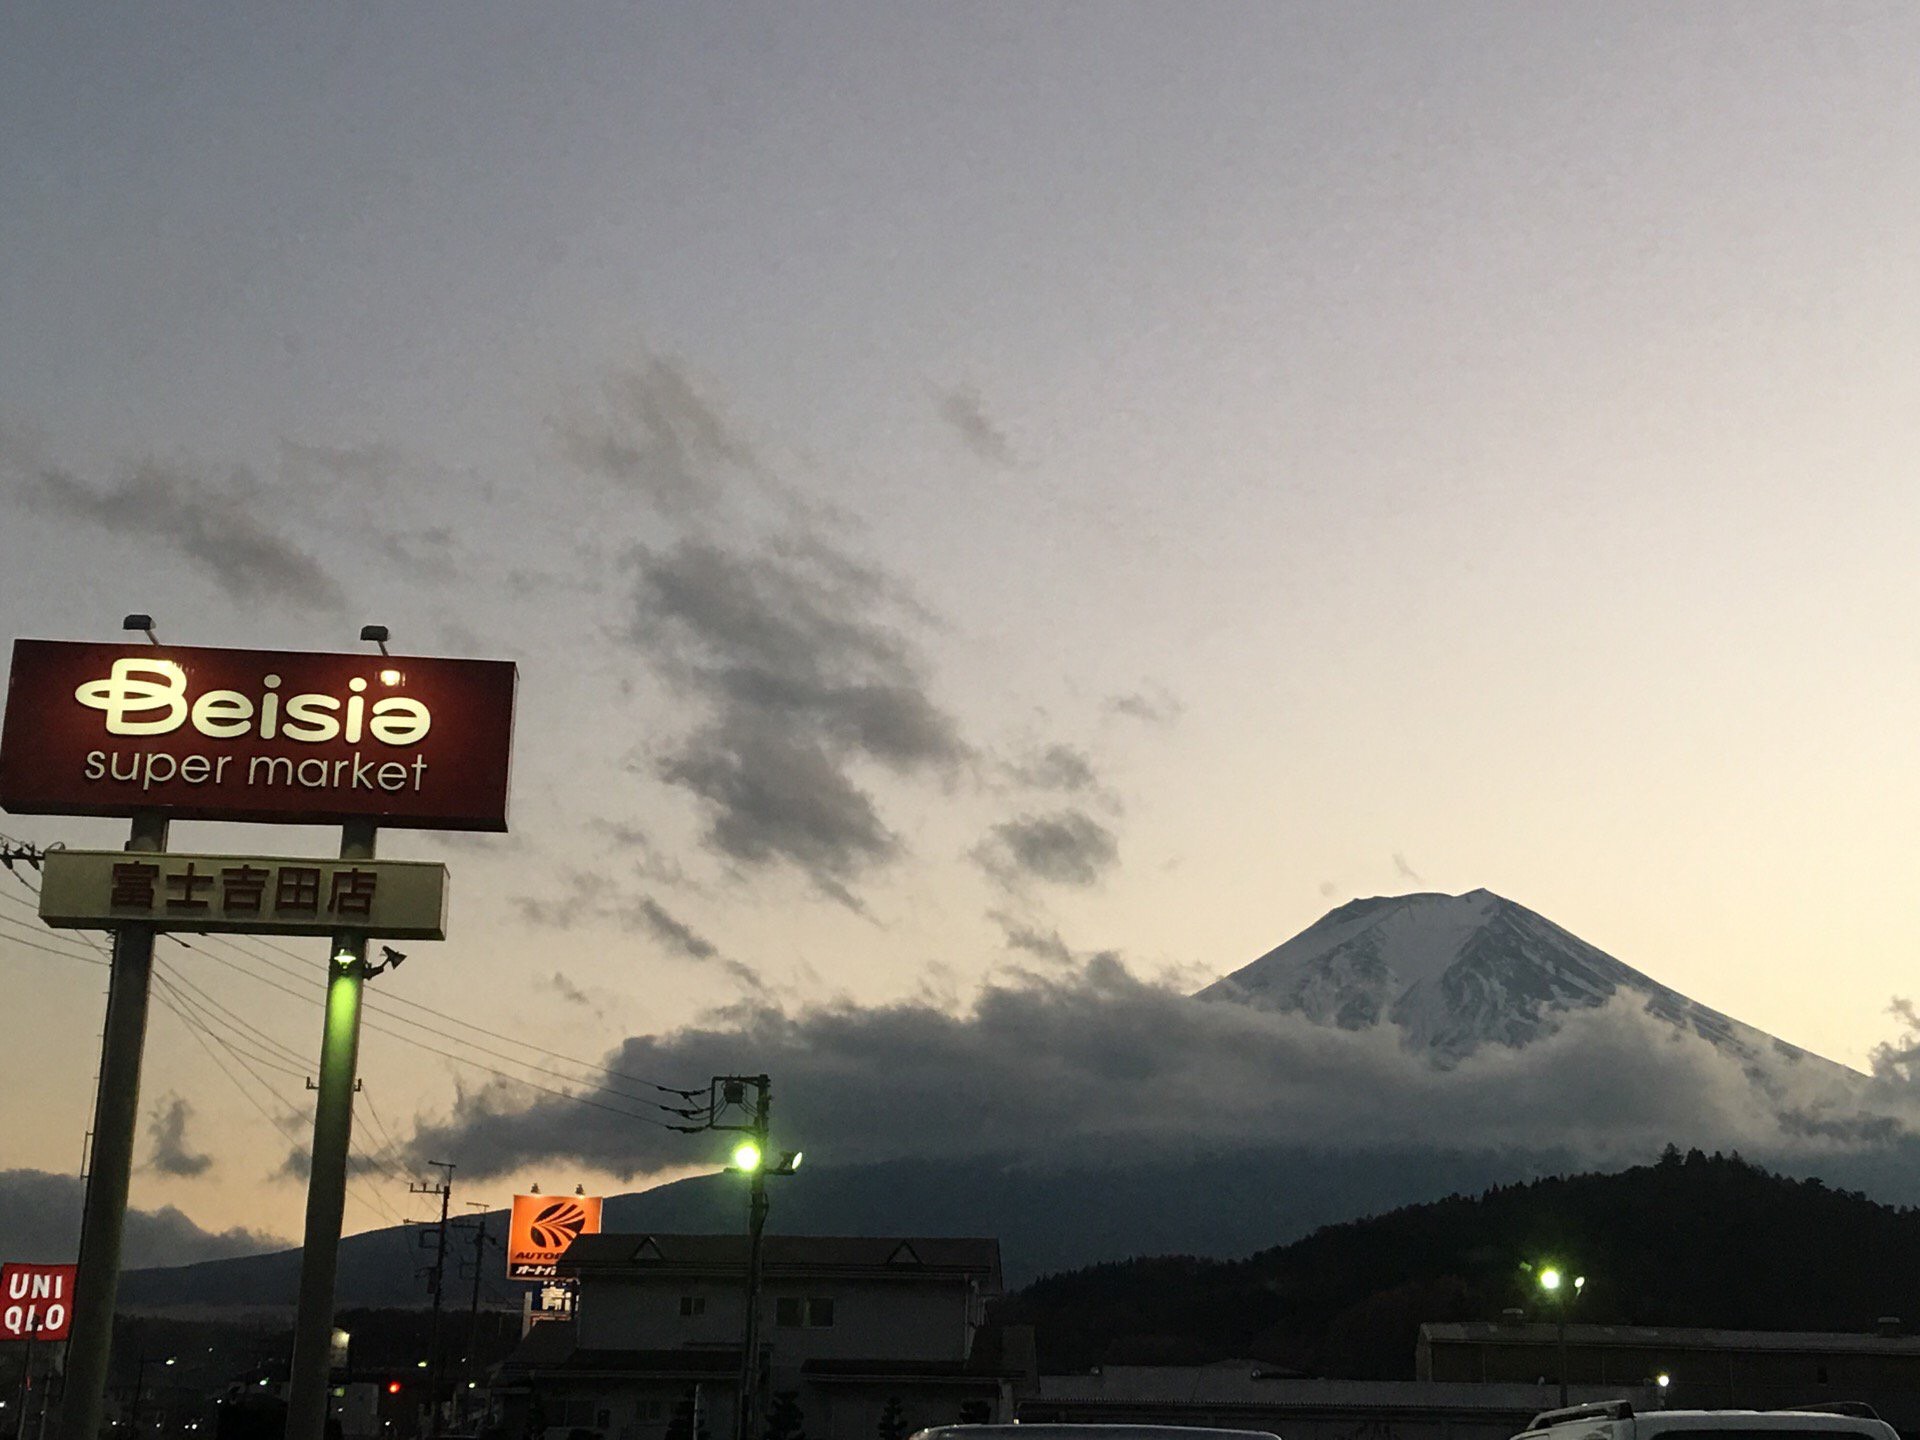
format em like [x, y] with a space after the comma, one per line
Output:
[1455, 973]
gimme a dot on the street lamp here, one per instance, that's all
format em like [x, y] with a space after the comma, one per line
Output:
[1555, 1285]
[140, 1387]
[749, 1159]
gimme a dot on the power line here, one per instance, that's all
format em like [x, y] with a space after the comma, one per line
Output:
[459, 1059]
[48, 949]
[382, 1001]
[283, 1051]
[172, 1000]
[391, 999]
[232, 1045]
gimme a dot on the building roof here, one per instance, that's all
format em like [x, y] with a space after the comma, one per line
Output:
[1000, 1352]
[721, 1360]
[1825, 1342]
[547, 1343]
[1252, 1387]
[812, 1255]
[552, 1347]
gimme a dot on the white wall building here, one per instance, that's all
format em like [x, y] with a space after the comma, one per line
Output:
[847, 1324]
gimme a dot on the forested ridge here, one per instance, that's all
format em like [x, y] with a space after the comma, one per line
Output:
[1703, 1240]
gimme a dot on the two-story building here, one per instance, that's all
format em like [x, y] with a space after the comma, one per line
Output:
[852, 1328]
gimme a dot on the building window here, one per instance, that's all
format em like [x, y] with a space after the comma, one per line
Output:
[815, 1313]
[692, 1305]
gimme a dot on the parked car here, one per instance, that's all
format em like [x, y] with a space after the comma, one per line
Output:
[1087, 1432]
[1616, 1420]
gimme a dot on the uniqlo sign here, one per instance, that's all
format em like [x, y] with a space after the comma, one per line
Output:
[292, 737]
[36, 1301]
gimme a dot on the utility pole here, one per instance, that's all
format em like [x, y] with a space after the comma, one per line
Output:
[327, 1179]
[444, 1189]
[728, 1108]
[26, 1386]
[473, 1314]
[116, 1116]
[473, 1311]
[756, 1227]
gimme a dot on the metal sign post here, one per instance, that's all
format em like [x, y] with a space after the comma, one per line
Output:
[116, 1117]
[327, 1179]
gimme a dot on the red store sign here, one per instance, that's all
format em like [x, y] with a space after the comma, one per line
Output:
[289, 737]
[36, 1301]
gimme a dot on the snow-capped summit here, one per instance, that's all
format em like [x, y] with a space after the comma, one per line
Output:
[1455, 972]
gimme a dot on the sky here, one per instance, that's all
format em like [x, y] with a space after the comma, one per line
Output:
[979, 495]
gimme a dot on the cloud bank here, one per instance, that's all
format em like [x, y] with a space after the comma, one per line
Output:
[1097, 1064]
[40, 1220]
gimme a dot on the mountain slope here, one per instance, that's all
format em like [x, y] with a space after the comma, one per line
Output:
[1456, 972]
[1694, 1241]
[1046, 1219]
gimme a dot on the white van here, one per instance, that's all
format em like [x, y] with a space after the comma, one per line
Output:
[1616, 1420]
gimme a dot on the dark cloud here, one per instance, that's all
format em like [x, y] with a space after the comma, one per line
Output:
[216, 525]
[656, 434]
[569, 991]
[1154, 704]
[1895, 1064]
[298, 1165]
[772, 795]
[676, 933]
[804, 660]
[589, 898]
[168, 1131]
[427, 552]
[583, 897]
[40, 1218]
[650, 862]
[962, 408]
[368, 465]
[1043, 944]
[1067, 847]
[679, 936]
[1057, 767]
[1095, 1063]
[1404, 870]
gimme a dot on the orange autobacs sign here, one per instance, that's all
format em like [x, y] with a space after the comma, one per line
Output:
[542, 1227]
[280, 736]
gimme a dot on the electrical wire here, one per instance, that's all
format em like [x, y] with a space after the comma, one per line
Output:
[34, 944]
[390, 999]
[459, 1059]
[380, 1002]
[286, 1053]
[202, 1033]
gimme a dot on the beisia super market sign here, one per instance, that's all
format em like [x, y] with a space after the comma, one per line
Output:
[278, 736]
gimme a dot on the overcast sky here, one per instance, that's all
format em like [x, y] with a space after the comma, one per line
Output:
[978, 486]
